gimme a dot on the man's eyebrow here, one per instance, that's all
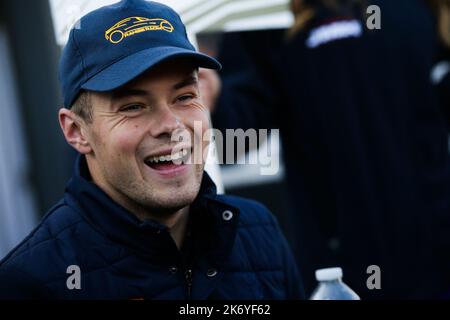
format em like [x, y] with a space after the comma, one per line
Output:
[126, 92]
[186, 82]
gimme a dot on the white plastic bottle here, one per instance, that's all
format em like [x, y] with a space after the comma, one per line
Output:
[331, 286]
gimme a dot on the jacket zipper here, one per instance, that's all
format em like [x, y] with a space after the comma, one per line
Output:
[188, 278]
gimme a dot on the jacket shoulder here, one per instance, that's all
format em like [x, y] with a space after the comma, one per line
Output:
[63, 238]
[261, 245]
[26, 269]
[60, 219]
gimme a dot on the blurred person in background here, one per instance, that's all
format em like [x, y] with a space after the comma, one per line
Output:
[441, 69]
[364, 141]
[440, 77]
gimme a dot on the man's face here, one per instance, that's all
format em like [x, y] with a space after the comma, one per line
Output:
[133, 126]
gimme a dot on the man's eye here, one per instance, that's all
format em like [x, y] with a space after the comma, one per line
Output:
[131, 108]
[185, 97]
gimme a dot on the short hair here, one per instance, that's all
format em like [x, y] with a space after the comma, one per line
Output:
[82, 106]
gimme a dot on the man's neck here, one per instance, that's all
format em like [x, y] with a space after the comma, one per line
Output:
[176, 222]
[178, 226]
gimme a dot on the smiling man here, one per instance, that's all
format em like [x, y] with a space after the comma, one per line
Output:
[139, 218]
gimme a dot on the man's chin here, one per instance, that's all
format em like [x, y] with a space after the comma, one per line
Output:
[170, 204]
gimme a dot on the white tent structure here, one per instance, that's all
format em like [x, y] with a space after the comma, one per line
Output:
[198, 15]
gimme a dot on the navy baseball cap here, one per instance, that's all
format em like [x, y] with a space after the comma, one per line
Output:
[113, 45]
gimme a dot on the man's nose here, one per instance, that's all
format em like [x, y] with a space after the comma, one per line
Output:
[166, 122]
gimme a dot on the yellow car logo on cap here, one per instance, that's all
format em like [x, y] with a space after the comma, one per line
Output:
[134, 25]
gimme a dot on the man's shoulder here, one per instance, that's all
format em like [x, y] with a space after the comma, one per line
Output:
[60, 219]
[60, 237]
[251, 212]
[261, 244]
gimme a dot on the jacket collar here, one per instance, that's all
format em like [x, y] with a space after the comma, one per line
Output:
[214, 237]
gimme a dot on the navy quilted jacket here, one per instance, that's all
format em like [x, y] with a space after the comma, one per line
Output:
[234, 250]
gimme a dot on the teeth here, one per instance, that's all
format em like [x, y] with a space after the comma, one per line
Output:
[176, 156]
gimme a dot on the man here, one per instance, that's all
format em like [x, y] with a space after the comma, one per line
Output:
[139, 219]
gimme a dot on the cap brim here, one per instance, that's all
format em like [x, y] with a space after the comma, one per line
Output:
[130, 67]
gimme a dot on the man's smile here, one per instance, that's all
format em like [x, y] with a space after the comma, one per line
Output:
[169, 163]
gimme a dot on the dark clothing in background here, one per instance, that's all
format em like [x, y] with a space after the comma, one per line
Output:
[442, 82]
[364, 144]
[242, 256]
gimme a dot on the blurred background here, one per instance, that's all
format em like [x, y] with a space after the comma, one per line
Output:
[253, 38]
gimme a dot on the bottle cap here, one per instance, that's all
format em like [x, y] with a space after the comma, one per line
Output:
[328, 274]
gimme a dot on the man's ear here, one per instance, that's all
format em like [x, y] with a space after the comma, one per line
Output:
[73, 130]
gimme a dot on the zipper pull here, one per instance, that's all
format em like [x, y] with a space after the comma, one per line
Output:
[188, 277]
